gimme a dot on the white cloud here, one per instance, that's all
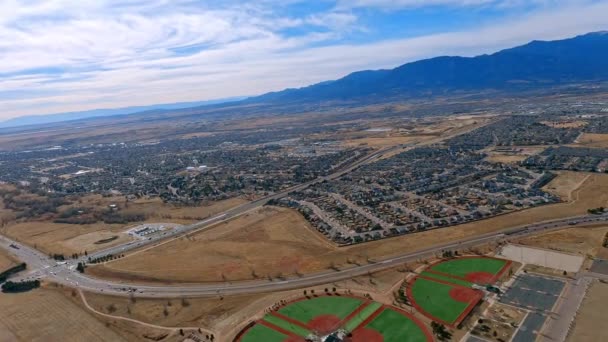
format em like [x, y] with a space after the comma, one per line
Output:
[116, 56]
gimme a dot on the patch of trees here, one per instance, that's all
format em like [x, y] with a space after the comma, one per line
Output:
[30, 206]
[76, 216]
[15, 269]
[84, 216]
[440, 331]
[449, 254]
[11, 287]
[596, 211]
[104, 258]
[58, 257]
[112, 217]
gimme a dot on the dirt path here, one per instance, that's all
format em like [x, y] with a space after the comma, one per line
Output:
[148, 325]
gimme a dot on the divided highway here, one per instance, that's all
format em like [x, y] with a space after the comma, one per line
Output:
[41, 266]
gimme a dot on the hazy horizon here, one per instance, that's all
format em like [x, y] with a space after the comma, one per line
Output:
[59, 58]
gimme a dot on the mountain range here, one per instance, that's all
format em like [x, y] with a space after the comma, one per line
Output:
[538, 64]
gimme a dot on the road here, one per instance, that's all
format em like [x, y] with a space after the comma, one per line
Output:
[41, 266]
[241, 209]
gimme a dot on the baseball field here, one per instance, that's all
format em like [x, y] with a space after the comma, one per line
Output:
[363, 319]
[445, 291]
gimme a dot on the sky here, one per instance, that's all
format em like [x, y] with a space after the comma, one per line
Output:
[72, 55]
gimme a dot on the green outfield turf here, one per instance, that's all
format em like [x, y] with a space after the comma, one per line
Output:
[435, 299]
[447, 278]
[263, 333]
[296, 329]
[362, 316]
[396, 327]
[464, 266]
[306, 310]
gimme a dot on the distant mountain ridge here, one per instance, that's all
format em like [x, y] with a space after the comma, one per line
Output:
[96, 113]
[536, 64]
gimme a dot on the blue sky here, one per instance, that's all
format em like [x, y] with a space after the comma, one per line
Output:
[69, 55]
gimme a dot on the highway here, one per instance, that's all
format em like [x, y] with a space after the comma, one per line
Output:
[41, 266]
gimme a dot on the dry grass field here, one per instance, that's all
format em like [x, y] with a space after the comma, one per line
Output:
[566, 123]
[593, 140]
[278, 242]
[227, 315]
[566, 183]
[576, 240]
[385, 141]
[6, 260]
[66, 238]
[47, 315]
[506, 158]
[591, 315]
[210, 313]
[156, 210]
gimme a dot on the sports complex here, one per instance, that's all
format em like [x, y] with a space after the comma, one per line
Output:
[336, 318]
[447, 291]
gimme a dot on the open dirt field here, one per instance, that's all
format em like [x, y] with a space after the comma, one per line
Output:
[565, 183]
[155, 210]
[220, 315]
[576, 240]
[66, 238]
[506, 158]
[63, 238]
[278, 242]
[6, 260]
[47, 315]
[565, 124]
[593, 140]
[591, 315]
[387, 141]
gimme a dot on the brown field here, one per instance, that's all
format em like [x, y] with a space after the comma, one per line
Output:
[156, 210]
[566, 183]
[278, 242]
[47, 315]
[576, 240]
[6, 260]
[428, 131]
[227, 315]
[220, 315]
[65, 238]
[565, 124]
[382, 142]
[506, 158]
[593, 140]
[591, 315]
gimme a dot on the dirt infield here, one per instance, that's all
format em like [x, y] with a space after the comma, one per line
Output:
[324, 324]
[480, 277]
[367, 335]
[464, 295]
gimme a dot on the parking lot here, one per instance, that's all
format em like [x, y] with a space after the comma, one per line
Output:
[537, 294]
